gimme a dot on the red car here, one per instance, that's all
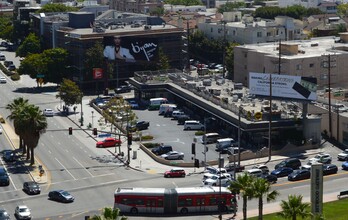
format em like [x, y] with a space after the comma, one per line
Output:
[108, 142]
[175, 172]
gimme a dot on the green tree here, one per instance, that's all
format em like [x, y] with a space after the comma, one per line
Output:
[53, 7]
[163, 60]
[243, 185]
[55, 65]
[31, 65]
[109, 214]
[17, 107]
[183, 2]
[158, 11]
[294, 208]
[8, 33]
[31, 45]
[262, 188]
[342, 9]
[230, 6]
[94, 59]
[69, 92]
[229, 59]
[6, 27]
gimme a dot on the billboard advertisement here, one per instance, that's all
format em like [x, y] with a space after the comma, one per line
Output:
[130, 49]
[283, 86]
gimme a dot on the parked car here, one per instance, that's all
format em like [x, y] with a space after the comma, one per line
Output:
[4, 177]
[163, 149]
[31, 188]
[343, 155]
[109, 142]
[4, 215]
[133, 104]
[48, 112]
[299, 175]
[22, 212]
[11, 67]
[60, 196]
[2, 57]
[255, 172]
[293, 163]
[8, 62]
[321, 158]
[0, 129]
[138, 126]
[193, 125]
[329, 169]
[269, 177]
[345, 165]
[178, 114]
[262, 167]
[234, 167]
[217, 180]
[175, 172]
[173, 155]
[123, 89]
[3, 79]
[182, 119]
[9, 156]
[282, 171]
[213, 172]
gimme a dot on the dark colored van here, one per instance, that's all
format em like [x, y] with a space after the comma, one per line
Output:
[162, 149]
[293, 163]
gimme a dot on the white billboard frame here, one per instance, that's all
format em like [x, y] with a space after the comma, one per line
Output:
[283, 86]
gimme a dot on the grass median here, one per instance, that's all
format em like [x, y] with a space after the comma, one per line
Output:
[336, 210]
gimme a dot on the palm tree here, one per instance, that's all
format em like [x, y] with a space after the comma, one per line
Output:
[109, 214]
[243, 185]
[36, 124]
[261, 188]
[294, 207]
[17, 109]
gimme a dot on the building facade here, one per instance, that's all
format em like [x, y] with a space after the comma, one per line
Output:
[135, 6]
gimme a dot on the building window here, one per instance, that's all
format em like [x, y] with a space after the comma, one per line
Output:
[245, 55]
[211, 29]
[234, 33]
[298, 67]
[311, 65]
[245, 67]
[269, 34]
[259, 34]
[277, 32]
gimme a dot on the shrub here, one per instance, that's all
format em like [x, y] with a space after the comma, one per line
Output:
[151, 145]
[199, 133]
[15, 77]
[2, 120]
[143, 138]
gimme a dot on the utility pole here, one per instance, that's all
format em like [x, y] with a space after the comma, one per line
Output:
[224, 51]
[188, 45]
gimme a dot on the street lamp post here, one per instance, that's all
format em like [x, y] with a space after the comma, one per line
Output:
[81, 119]
[92, 119]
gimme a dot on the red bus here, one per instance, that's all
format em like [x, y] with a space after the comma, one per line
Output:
[176, 200]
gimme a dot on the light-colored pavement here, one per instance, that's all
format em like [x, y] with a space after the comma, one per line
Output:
[142, 162]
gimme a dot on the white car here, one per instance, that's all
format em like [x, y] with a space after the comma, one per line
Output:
[320, 158]
[215, 172]
[216, 180]
[0, 130]
[48, 112]
[3, 79]
[343, 155]
[262, 167]
[22, 212]
[173, 155]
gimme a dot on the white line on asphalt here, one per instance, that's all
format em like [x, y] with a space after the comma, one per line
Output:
[83, 166]
[65, 168]
[49, 152]
[176, 186]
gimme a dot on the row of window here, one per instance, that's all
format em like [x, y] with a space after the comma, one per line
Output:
[184, 202]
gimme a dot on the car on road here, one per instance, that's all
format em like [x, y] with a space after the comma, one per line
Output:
[231, 167]
[343, 155]
[262, 167]
[3, 79]
[162, 149]
[282, 171]
[293, 163]
[345, 165]
[4, 177]
[214, 171]
[217, 180]
[9, 156]
[320, 158]
[31, 188]
[4, 215]
[299, 175]
[329, 169]
[108, 142]
[173, 155]
[175, 172]
[60, 196]
[269, 177]
[138, 126]
[22, 212]
[48, 112]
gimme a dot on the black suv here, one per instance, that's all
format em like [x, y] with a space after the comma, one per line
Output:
[140, 125]
[4, 178]
[293, 163]
[7, 63]
[162, 149]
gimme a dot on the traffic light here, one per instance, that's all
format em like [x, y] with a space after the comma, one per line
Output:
[70, 130]
[95, 131]
[193, 148]
[197, 163]
[129, 139]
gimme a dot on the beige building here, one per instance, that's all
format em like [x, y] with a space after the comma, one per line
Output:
[136, 6]
[300, 58]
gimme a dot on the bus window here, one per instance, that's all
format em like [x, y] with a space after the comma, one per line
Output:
[185, 202]
[160, 203]
[212, 201]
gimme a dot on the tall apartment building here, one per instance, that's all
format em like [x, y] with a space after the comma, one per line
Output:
[136, 6]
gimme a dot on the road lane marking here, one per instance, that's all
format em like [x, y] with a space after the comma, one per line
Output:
[83, 167]
[65, 168]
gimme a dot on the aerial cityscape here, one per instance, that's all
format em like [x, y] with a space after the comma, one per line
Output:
[173, 109]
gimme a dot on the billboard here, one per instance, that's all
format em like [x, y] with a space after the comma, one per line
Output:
[130, 49]
[283, 86]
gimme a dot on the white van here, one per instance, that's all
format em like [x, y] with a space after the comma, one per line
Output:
[255, 172]
[178, 114]
[193, 125]
[210, 138]
[222, 143]
[166, 108]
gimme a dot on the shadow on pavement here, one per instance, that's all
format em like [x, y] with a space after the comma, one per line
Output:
[36, 89]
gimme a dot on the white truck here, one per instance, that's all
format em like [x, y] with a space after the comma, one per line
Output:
[166, 108]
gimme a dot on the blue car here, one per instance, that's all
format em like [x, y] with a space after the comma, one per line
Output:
[345, 165]
[299, 175]
[282, 171]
